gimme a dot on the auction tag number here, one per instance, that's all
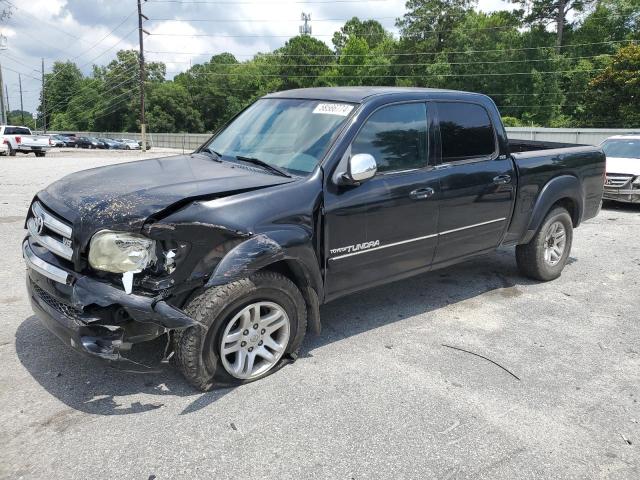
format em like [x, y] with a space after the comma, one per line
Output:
[333, 109]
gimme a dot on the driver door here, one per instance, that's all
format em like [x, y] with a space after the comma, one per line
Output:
[386, 227]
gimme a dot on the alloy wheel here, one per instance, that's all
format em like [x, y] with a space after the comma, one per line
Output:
[254, 340]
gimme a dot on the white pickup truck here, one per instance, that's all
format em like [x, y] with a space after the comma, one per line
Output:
[20, 139]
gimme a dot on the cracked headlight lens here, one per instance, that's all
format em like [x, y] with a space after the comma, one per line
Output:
[121, 252]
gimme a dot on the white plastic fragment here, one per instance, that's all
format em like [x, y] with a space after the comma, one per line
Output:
[127, 281]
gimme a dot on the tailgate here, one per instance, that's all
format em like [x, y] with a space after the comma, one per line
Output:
[34, 140]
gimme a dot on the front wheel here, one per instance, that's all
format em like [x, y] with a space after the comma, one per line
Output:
[545, 256]
[248, 328]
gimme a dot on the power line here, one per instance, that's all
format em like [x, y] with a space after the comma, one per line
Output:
[491, 74]
[249, 20]
[400, 54]
[257, 2]
[389, 65]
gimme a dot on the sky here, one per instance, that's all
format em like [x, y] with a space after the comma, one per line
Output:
[183, 32]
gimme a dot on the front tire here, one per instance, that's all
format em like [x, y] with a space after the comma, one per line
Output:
[228, 349]
[545, 256]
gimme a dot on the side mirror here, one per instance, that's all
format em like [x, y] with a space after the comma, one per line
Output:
[361, 167]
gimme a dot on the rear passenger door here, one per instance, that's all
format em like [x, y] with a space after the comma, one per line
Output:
[477, 183]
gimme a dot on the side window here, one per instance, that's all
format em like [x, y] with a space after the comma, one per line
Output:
[396, 136]
[465, 131]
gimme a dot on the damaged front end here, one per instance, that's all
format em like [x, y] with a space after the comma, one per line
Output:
[90, 311]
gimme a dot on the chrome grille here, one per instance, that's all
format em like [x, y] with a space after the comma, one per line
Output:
[61, 307]
[617, 180]
[51, 232]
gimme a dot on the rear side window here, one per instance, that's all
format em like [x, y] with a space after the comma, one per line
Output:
[465, 131]
[396, 136]
[17, 131]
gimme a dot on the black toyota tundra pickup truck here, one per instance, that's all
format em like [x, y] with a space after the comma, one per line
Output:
[305, 196]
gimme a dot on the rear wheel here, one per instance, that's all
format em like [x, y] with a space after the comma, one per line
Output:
[545, 256]
[249, 329]
[12, 152]
[40, 154]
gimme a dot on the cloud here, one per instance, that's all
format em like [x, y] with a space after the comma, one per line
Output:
[90, 32]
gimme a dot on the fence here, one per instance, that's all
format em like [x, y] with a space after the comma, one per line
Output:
[190, 141]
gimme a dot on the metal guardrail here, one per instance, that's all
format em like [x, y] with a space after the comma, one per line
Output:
[190, 141]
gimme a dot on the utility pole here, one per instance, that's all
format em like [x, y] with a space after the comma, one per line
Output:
[21, 107]
[6, 91]
[3, 110]
[44, 102]
[141, 32]
[306, 28]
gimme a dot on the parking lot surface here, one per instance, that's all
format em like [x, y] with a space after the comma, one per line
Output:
[376, 395]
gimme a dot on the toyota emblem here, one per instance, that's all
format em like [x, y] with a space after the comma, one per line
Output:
[39, 224]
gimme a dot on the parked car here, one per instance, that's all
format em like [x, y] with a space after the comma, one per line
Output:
[306, 196]
[112, 144]
[21, 140]
[69, 139]
[129, 144]
[89, 142]
[57, 141]
[623, 168]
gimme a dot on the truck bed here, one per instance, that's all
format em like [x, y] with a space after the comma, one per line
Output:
[520, 145]
[578, 169]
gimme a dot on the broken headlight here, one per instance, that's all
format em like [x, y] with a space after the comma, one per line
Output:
[121, 252]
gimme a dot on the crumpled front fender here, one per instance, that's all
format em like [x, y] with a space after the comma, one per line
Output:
[293, 245]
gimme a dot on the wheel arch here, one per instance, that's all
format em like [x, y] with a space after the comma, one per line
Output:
[287, 252]
[562, 191]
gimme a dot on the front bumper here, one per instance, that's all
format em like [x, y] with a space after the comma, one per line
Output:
[93, 317]
[627, 195]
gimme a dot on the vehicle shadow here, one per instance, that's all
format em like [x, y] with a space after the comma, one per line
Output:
[86, 385]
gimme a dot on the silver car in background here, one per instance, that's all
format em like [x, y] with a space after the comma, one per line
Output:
[622, 182]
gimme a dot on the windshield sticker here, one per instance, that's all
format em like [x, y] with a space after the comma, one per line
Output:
[333, 109]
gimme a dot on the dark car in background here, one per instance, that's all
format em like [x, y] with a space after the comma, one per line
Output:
[90, 142]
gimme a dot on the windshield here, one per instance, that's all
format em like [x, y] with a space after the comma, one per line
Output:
[288, 133]
[628, 148]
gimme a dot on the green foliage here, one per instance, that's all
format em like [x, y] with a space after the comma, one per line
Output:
[612, 97]
[21, 117]
[512, 122]
[509, 55]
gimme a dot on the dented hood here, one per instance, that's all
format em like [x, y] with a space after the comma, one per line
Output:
[123, 196]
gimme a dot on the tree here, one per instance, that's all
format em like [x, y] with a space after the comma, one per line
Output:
[428, 24]
[303, 60]
[370, 30]
[552, 11]
[61, 85]
[169, 109]
[612, 97]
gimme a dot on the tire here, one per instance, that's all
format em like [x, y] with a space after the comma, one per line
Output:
[538, 259]
[198, 349]
[40, 154]
[12, 152]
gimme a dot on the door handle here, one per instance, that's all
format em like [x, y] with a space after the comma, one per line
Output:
[502, 179]
[421, 193]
